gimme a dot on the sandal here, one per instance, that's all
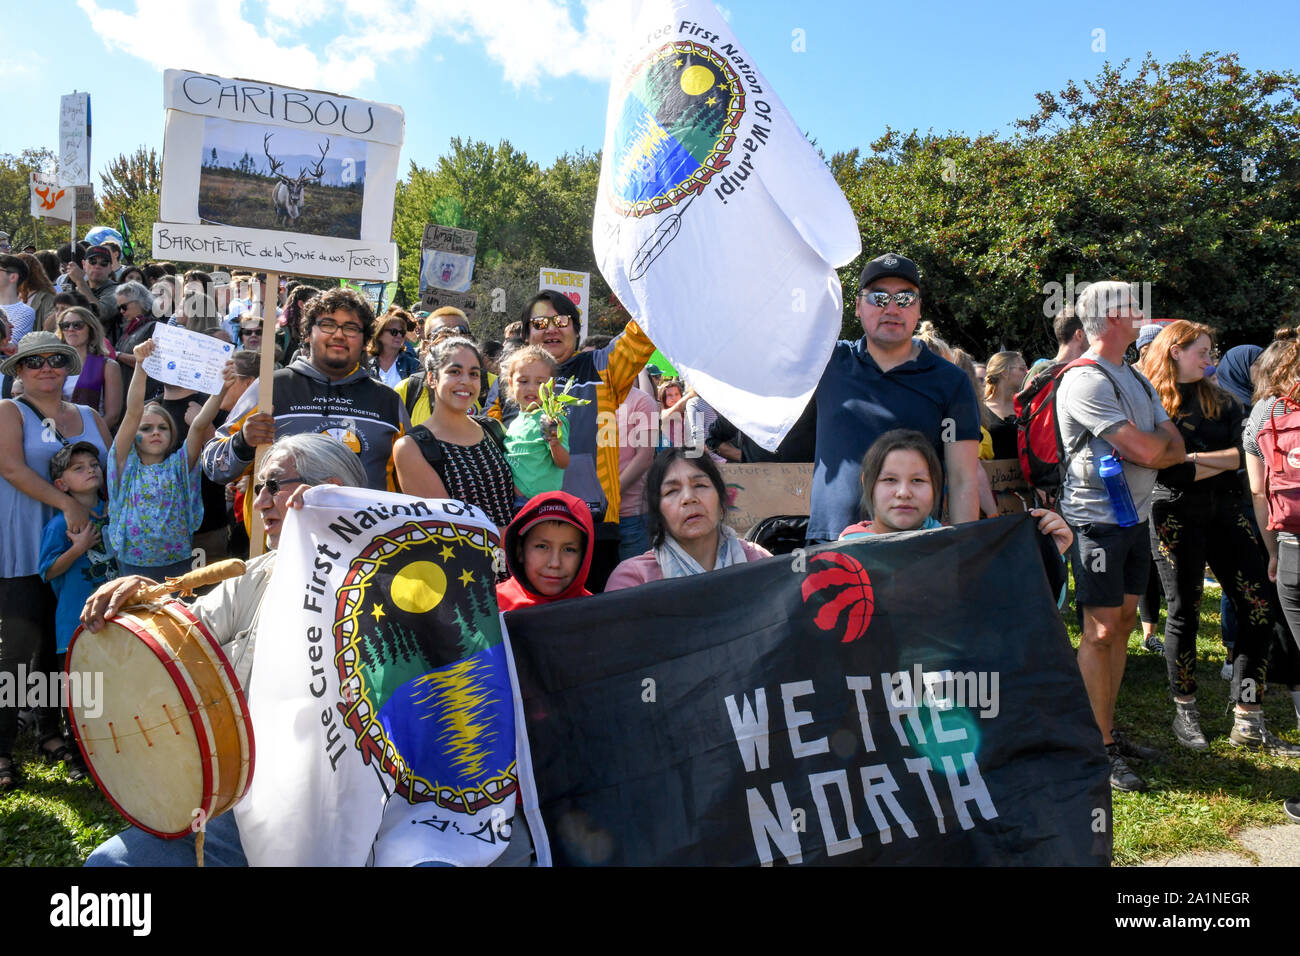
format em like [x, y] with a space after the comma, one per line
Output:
[65, 755]
[8, 774]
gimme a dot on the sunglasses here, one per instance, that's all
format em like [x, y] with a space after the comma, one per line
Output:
[34, 362]
[76, 325]
[275, 485]
[881, 299]
[540, 323]
[398, 332]
[124, 306]
[99, 261]
[447, 330]
[247, 330]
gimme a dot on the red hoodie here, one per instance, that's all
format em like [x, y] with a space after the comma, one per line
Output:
[548, 506]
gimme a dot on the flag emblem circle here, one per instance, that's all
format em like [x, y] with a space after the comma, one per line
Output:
[680, 110]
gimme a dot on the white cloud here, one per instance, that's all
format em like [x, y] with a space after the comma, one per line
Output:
[531, 40]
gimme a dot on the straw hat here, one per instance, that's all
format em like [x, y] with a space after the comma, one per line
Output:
[41, 343]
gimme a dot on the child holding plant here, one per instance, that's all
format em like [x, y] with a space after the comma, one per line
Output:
[537, 444]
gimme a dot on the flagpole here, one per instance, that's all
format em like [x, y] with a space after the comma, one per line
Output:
[265, 399]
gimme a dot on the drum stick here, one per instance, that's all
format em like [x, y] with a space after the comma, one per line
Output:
[198, 578]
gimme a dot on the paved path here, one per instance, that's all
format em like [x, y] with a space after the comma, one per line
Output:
[1262, 846]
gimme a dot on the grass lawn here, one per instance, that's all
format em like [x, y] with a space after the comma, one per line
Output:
[1197, 800]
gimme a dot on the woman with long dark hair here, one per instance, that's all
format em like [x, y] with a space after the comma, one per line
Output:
[685, 503]
[1197, 503]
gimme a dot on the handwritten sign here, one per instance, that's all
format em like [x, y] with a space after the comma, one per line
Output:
[85, 202]
[761, 490]
[447, 258]
[1010, 489]
[432, 299]
[49, 199]
[262, 251]
[188, 359]
[74, 139]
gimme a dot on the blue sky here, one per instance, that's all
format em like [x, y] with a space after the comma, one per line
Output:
[534, 71]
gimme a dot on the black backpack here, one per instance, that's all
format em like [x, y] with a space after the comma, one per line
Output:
[779, 534]
[432, 450]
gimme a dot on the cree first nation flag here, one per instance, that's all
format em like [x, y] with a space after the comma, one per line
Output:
[717, 224]
[380, 694]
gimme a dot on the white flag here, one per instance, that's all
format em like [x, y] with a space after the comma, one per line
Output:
[380, 693]
[717, 224]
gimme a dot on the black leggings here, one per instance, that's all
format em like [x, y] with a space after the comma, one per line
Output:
[1183, 525]
[27, 640]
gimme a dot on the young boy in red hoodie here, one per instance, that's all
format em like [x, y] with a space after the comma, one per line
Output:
[548, 552]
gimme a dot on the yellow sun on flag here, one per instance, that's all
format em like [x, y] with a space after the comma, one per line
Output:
[418, 587]
[696, 80]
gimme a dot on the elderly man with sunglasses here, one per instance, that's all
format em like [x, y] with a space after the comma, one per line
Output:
[889, 380]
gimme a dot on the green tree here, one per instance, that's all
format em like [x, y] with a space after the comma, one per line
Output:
[1183, 176]
[126, 179]
[15, 199]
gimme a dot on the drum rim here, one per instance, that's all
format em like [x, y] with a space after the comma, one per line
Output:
[246, 717]
[126, 619]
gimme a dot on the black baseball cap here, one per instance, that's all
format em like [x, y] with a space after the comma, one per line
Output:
[890, 264]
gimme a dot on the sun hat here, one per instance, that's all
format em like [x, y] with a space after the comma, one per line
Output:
[41, 343]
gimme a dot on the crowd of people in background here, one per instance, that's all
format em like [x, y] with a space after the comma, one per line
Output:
[142, 476]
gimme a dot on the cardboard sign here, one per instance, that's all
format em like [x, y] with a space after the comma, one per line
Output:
[74, 139]
[575, 285]
[1008, 483]
[760, 490]
[276, 179]
[447, 258]
[432, 299]
[49, 199]
[85, 202]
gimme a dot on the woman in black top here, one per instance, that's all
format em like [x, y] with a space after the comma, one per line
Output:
[1196, 503]
[1005, 372]
[452, 454]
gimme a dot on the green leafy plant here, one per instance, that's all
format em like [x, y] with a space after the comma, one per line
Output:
[555, 406]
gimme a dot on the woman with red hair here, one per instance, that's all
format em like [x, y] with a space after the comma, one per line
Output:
[1193, 504]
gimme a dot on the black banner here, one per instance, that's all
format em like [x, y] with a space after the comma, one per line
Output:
[910, 699]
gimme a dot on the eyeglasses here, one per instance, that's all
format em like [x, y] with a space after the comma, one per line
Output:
[446, 330]
[276, 485]
[99, 261]
[350, 329]
[881, 299]
[34, 362]
[76, 325]
[540, 322]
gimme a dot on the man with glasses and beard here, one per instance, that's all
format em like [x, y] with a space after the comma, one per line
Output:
[329, 392]
[883, 381]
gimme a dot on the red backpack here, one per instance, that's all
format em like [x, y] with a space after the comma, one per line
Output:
[1279, 443]
[1043, 457]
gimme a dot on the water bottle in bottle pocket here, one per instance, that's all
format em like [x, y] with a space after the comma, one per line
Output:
[1121, 501]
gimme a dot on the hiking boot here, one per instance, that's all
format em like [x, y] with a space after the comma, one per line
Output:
[1154, 644]
[1187, 727]
[1122, 776]
[1133, 750]
[1248, 731]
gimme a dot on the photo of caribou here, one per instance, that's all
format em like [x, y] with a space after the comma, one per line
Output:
[287, 194]
[248, 179]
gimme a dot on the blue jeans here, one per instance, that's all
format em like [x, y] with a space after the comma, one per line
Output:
[134, 847]
[633, 539]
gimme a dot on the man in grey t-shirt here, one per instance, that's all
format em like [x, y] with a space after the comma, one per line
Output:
[1111, 563]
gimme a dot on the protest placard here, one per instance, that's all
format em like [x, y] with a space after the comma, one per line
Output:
[573, 284]
[759, 490]
[447, 258]
[1008, 483]
[74, 139]
[277, 179]
[432, 299]
[188, 359]
[49, 199]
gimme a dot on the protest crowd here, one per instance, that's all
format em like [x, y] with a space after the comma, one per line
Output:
[1160, 461]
